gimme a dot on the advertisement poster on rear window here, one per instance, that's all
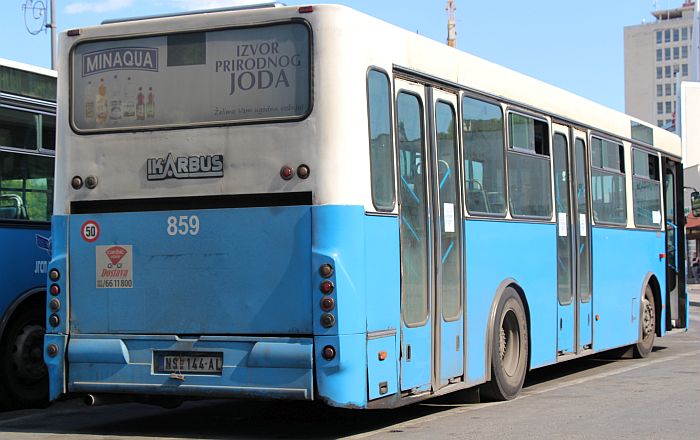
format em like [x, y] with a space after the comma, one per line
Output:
[212, 77]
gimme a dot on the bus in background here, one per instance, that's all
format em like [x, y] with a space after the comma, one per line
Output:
[366, 219]
[27, 139]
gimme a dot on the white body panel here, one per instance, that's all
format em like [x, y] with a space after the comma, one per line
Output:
[333, 140]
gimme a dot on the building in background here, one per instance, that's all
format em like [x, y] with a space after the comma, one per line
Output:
[657, 59]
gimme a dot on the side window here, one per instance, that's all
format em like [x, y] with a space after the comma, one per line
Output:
[484, 165]
[26, 187]
[28, 130]
[380, 140]
[413, 196]
[529, 180]
[608, 182]
[646, 186]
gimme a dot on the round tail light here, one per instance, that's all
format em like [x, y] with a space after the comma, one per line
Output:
[328, 352]
[54, 275]
[326, 287]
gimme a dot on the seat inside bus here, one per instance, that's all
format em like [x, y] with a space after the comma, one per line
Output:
[12, 207]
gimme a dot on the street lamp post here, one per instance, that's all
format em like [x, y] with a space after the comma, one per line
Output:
[35, 11]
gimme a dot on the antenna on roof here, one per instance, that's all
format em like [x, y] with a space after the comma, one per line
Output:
[451, 23]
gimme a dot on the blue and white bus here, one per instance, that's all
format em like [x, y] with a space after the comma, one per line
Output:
[27, 139]
[309, 203]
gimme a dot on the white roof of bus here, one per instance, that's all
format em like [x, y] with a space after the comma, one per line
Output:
[28, 67]
[441, 61]
[409, 50]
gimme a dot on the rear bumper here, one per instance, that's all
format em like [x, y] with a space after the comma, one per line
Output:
[259, 367]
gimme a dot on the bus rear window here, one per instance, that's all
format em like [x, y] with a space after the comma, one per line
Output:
[189, 79]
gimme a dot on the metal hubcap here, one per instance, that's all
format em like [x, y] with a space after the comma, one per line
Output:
[509, 346]
[27, 354]
[647, 318]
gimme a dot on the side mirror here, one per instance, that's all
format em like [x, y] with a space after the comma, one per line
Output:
[695, 203]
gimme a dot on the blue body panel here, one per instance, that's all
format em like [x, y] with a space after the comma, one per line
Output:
[451, 350]
[22, 263]
[383, 301]
[253, 367]
[621, 261]
[245, 272]
[498, 251]
[248, 286]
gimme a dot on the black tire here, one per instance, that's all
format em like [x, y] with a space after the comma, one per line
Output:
[509, 349]
[24, 380]
[648, 324]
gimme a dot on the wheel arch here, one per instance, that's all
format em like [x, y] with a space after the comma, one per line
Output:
[512, 283]
[25, 300]
[652, 281]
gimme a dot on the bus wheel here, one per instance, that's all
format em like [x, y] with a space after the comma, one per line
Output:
[23, 374]
[509, 350]
[648, 323]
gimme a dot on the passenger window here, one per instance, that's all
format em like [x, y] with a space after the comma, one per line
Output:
[26, 187]
[19, 129]
[646, 185]
[380, 140]
[529, 180]
[484, 165]
[608, 182]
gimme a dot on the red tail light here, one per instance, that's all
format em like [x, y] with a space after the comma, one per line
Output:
[326, 287]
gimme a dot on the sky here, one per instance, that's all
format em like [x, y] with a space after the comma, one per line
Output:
[574, 45]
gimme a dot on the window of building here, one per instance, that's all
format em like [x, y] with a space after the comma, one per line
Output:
[608, 182]
[676, 53]
[659, 108]
[659, 55]
[668, 89]
[684, 52]
[659, 73]
[659, 37]
[667, 53]
[646, 189]
[380, 140]
[675, 35]
[668, 107]
[529, 180]
[484, 161]
[684, 70]
[669, 122]
[659, 90]
[667, 71]
[659, 122]
[674, 89]
[667, 35]
[684, 34]
[26, 187]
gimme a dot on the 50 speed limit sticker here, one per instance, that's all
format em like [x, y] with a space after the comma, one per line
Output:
[90, 231]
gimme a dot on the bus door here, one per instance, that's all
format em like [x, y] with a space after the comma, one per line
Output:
[566, 316]
[571, 186]
[449, 352]
[430, 230]
[675, 258]
[582, 242]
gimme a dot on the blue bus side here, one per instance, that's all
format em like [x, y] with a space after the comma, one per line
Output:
[524, 253]
[622, 260]
[22, 264]
[365, 252]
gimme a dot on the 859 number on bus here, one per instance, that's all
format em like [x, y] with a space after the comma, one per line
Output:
[183, 225]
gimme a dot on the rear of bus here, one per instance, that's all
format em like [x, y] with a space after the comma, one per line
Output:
[209, 229]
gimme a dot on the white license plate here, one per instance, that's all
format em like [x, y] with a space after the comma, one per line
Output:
[189, 362]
